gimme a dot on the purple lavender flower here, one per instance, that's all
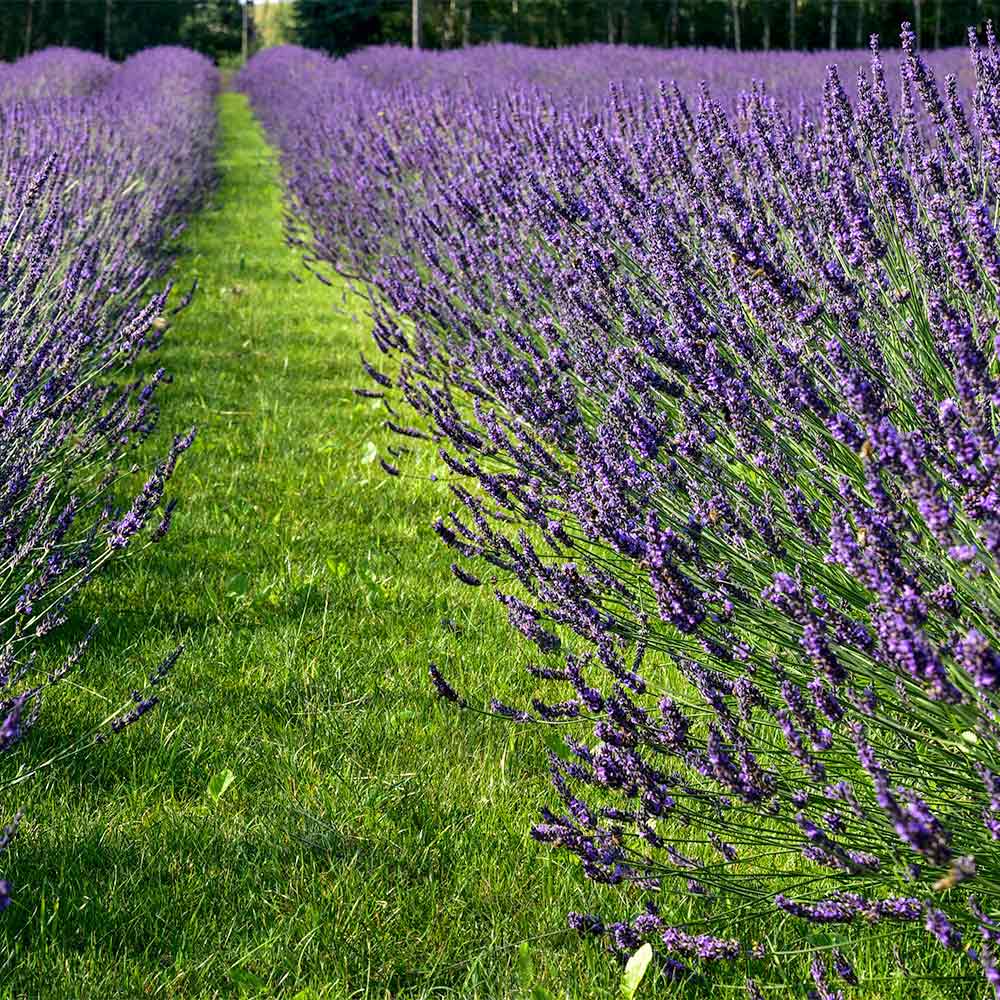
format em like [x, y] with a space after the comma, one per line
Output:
[938, 925]
[585, 923]
[703, 946]
[843, 968]
[819, 973]
[443, 688]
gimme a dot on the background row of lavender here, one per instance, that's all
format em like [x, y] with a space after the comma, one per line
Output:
[712, 375]
[98, 164]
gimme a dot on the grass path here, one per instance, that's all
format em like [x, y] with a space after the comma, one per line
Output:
[371, 845]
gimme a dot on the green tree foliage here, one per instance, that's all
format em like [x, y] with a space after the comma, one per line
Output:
[119, 27]
[273, 22]
[339, 25]
[214, 27]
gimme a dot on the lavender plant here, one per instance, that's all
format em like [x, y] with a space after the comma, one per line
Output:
[98, 164]
[713, 369]
[55, 72]
[90, 189]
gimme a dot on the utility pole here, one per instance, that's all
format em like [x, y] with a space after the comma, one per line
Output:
[27, 27]
[416, 24]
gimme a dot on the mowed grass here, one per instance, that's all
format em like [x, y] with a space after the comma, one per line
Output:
[374, 842]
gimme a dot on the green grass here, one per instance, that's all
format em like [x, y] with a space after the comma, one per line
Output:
[374, 842]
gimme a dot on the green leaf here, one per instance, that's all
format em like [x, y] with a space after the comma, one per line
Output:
[220, 783]
[369, 453]
[339, 569]
[238, 585]
[525, 966]
[635, 969]
[554, 742]
[247, 981]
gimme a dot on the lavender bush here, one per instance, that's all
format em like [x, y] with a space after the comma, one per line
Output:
[713, 370]
[55, 72]
[98, 163]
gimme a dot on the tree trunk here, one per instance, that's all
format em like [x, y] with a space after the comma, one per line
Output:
[611, 24]
[674, 5]
[834, 12]
[415, 24]
[737, 39]
[765, 40]
[791, 23]
[937, 26]
[467, 24]
[859, 27]
[917, 5]
[27, 26]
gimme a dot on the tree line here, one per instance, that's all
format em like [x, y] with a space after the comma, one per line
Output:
[119, 27]
[340, 25]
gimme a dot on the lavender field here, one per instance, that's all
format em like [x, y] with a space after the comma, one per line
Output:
[705, 346]
[551, 499]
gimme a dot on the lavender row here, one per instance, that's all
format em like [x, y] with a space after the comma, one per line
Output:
[98, 165]
[713, 372]
[55, 72]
